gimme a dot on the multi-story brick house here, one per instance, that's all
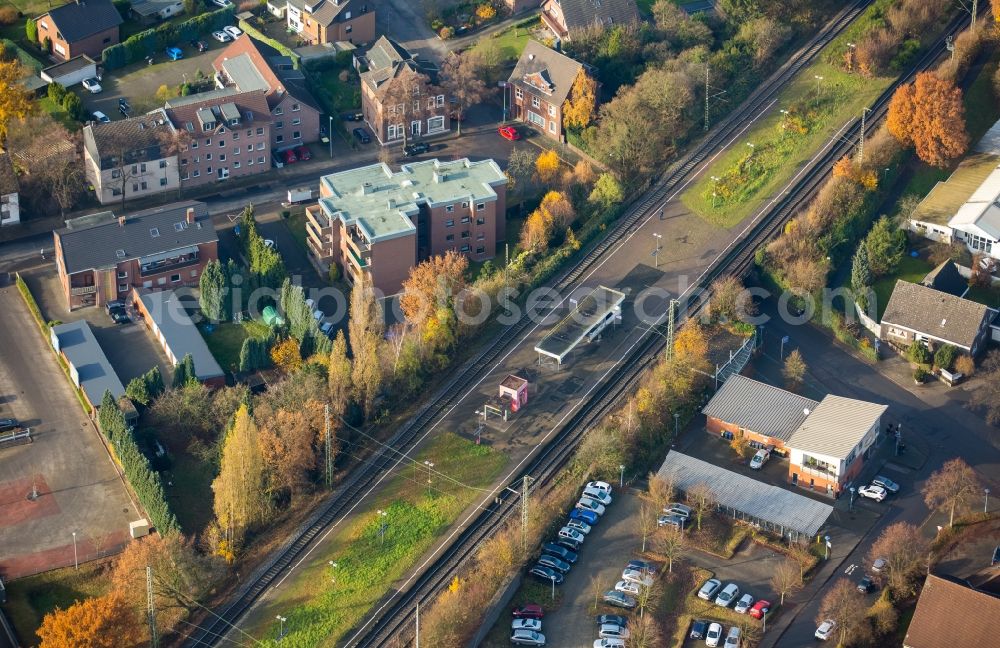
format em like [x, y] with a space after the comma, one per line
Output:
[80, 27]
[101, 258]
[248, 65]
[228, 135]
[131, 157]
[539, 86]
[563, 17]
[399, 96]
[327, 21]
[371, 220]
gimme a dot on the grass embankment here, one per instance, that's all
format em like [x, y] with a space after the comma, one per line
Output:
[226, 340]
[323, 603]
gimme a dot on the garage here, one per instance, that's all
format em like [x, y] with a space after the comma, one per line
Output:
[71, 72]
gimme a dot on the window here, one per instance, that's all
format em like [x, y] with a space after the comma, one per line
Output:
[480, 206]
[518, 93]
[537, 119]
[135, 170]
[465, 248]
[296, 121]
[279, 111]
[481, 250]
[466, 234]
[222, 143]
[184, 161]
[349, 28]
[196, 173]
[296, 107]
[135, 186]
[450, 222]
[480, 221]
[260, 146]
[143, 167]
[185, 176]
[435, 124]
[236, 164]
[534, 102]
[223, 129]
[122, 287]
[208, 171]
[123, 274]
[450, 237]
[279, 124]
[450, 208]
[465, 205]
[161, 281]
[236, 150]
[260, 131]
[552, 127]
[115, 191]
[163, 164]
[552, 111]
[466, 219]
[250, 132]
[222, 157]
[296, 135]
[115, 173]
[416, 106]
[236, 136]
[175, 278]
[279, 139]
[250, 162]
[208, 142]
[106, 41]
[194, 144]
[208, 157]
[430, 103]
[979, 243]
[197, 159]
[163, 182]
[260, 160]
[440, 100]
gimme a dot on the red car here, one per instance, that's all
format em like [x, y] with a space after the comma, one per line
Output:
[509, 133]
[303, 152]
[290, 156]
[759, 609]
[529, 611]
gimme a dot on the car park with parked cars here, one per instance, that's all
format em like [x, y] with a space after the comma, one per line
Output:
[100, 117]
[683, 510]
[698, 629]
[174, 53]
[509, 133]
[759, 459]
[760, 609]
[609, 643]
[418, 148]
[743, 604]
[612, 631]
[589, 517]
[866, 584]
[636, 576]
[619, 599]
[675, 521]
[562, 553]
[589, 504]
[235, 32]
[361, 135]
[727, 595]
[552, 562]
[733, 638]
[221, 36]
[303, 152]
[546, 574]
[571, 534]
[616, 619]
[529, 611]
[643, 566]
[709, 589]
[713, 635]
[878, 565]
[526, 624]
[627, 587]
[92, 85]
[603, 497]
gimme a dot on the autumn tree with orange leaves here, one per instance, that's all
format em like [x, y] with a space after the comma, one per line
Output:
[432, 284]
[103, 622]
[929, 115]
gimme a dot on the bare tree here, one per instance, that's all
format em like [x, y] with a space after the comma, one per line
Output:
[905, 552]
[647, 522]
[462, 79]
[702, 500]
[845, 605]
[661, 491]
[397, 340]
[644, 632]
[951, 488]
[787, 578]
[648, 595]
[800, 553]
[174, 142]
[118, 150]
[403, 98]
[670, 543]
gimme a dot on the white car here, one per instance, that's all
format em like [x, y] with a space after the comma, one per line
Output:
[235, 32]
[713, 635]
[270, 244]
[876, 493]
[222, 3]
[609, 643]
[221, 36]
[636, 576]
[825, 629]
[743, 604]
[709, 589]
[100, 117]
[571, 534]
[93, 85]
[588, 504]
[627, 587]
[727, 595]
[598, 495]
[600, 485]
[526, 624]
[527, 638]
[318, 315]
[612, 631]
[579, 525]
[733, 638]
[759, 459]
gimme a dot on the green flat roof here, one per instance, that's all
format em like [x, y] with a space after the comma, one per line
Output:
[945, 199]
[381, 203]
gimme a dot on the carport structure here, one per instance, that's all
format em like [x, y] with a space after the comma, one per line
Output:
[769, 507]
[589, 317]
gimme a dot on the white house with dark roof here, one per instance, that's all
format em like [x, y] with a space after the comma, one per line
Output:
[828, 449]
[923, 314]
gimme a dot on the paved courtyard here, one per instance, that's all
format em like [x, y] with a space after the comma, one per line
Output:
[77, 486]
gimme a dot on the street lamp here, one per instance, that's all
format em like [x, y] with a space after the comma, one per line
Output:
[986, 504]
[76, 561]
[382, 525]
[851, 505]
[784, 340]
[430, 466]
[784, 122]
[752, 147]
[552, 578]
[819, 83]
[329, 133]
[656, 250]
[677, 423]
[281, 627]
[333, 573]
[621, 475]
[828, 545]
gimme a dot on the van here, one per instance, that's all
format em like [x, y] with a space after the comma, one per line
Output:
[676, 508]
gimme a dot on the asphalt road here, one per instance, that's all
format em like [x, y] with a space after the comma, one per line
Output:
[932, 419]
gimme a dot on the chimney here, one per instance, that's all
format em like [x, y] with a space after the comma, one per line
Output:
[189, 217]
[121, 221]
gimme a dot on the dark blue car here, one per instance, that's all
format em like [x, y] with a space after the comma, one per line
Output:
[589, 517]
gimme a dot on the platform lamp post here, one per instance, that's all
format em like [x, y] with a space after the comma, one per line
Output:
[819, 84]
[76, 561]
[621, 475]
[281, 627]
[656, 250]
[677, 424]
[333, 573]
[553, 579]
[784, 122]
[329, 133]
[986, 504]
[828, 546]
[715, 190]
[382, 525]
[851, 504]
[430, 467]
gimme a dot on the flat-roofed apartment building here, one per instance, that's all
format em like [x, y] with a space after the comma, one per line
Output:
[382, 223]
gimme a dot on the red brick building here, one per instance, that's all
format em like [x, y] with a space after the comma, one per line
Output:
[328, 21]
[101, 257]
[539, 86]
[563, 17]
[80, 27]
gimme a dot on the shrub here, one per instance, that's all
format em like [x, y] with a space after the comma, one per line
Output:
[73, 105]
[918, 353]
[31, 31]
[56, 92]
[446, 33]
[920, 374]
[945, 356]
[965, 365]
[9, 16]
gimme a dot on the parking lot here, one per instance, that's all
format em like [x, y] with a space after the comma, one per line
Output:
[60, 497]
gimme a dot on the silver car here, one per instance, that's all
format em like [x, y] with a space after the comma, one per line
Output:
[709, 589]
[527, 638]
[727, 595]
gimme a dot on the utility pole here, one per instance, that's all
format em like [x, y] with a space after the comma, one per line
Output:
[525, 484]
[861, 144]
[975, 8]
[154, 641]
[417, 644]
[329, 446]
[709, 96]
[671, 319]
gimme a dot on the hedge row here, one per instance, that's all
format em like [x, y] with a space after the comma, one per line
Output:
[145, 482]
[151, 41]
[256, 34]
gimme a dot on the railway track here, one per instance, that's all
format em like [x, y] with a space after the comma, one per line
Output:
[397, 621]
[214, 628]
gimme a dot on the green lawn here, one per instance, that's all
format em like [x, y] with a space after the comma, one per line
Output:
[511, 41]
[749, 176]
[29, 599]
[225, 342]
[988, 296]
[189, 494]
[910, 269]
[296, 223]
[981, 107]
[320, 610]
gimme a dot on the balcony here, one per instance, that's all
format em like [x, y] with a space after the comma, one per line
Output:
[361, 262]
[82, 290]
[819, 470]
[165, 265]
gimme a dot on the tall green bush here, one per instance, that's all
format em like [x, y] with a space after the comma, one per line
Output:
[31, 31]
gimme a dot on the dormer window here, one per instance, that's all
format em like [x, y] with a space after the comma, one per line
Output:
[209, 127]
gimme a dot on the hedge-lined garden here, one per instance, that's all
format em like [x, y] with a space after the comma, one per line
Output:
[148, 42]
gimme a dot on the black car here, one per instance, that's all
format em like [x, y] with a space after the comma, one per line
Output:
[8, 424]
[866, 584]
[119, 316]
[416, 149]
[123, 107]
[569, 543]
[559, 552]
[698, 629]
[546, 574]
[616, 619]
[362, 135]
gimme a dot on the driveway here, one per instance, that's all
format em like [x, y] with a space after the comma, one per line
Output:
[81, 506]
[405, 21]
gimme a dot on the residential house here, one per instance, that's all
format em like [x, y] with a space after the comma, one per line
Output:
[319, 22]
[382, 223]
[227, 133]
[10, 203]
[563, 17]
[101, 258]
[919, 313]
[249, 65]
[946, 278]
[80, 27]
[951, 613]
[131, 157]
[399, 95]
[829, 448]
[540, 85]
[89, 368]
[763, 414]
[152, 11]
[164, 314]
